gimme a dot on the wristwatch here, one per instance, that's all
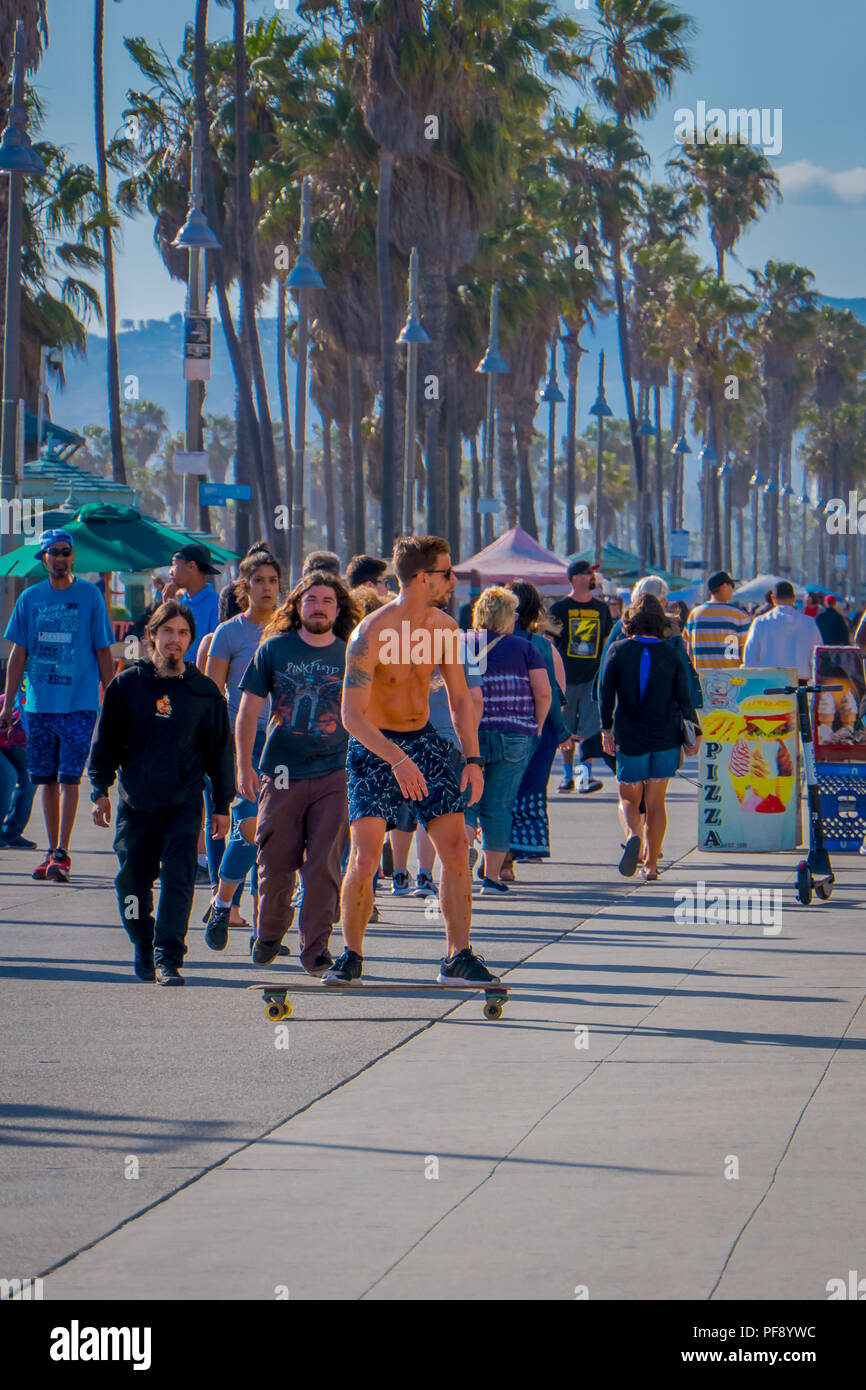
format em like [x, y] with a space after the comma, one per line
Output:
[476, 762]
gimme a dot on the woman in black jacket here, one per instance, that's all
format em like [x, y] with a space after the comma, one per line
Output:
[645, 700]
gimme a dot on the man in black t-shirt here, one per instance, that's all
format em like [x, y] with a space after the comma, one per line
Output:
[303, 816]
[586, 622]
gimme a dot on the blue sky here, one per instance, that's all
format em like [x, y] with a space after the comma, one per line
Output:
[798, 55]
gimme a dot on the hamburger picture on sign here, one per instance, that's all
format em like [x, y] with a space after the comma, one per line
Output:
[750, 762]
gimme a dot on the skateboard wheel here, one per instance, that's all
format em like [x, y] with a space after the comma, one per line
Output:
[805, 883]
[274, 1010]
[824, 889]
[492, 1011]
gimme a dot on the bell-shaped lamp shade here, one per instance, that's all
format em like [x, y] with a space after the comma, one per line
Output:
[195, 234]
[17, 155]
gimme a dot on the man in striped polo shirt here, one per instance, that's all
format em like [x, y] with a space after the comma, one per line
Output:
[716, 632]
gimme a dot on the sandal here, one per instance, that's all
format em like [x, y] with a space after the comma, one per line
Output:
[650, 875]
[628, 862]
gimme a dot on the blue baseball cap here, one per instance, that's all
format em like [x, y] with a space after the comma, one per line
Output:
[49, 538]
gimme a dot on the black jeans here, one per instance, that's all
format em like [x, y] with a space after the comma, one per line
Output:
[163, 845]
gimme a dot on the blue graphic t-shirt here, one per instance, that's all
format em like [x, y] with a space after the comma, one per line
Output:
[62, 629]
[305, 683]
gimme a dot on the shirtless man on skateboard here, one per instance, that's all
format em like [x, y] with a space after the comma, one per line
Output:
[394, 753]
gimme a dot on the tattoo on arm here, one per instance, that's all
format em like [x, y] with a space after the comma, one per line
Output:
[357, 653]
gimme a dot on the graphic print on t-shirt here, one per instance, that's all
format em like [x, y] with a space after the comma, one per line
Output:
[306, 698]
[584, 630]
[57, 628]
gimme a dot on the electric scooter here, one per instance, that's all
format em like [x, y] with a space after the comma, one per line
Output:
[815, 872]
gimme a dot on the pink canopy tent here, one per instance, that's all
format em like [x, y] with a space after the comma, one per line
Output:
[515, 555]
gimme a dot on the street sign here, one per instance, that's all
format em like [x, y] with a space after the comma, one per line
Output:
[694, 564]
[218, 494]
[196, 347]
[489, 505]
[679, 547]
[191, 463]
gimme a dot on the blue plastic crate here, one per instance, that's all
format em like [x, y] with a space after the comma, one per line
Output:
[842, 793]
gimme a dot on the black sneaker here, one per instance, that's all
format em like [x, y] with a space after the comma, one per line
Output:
[594, 785]
[216, 934]
[465, 966]
[322, 964]
[263, 952]
[283, 951]
[17, 842]
[168, 975]
[346, 970]
[424, 885]
[567, 784]
[400, 883]
[143, 964]
[493, 885]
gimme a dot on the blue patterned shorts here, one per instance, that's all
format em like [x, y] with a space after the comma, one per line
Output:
[58, 745]
[374, 790]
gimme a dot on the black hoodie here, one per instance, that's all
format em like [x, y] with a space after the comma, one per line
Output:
[163, 734]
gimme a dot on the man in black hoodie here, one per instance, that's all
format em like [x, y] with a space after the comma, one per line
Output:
[163, 727]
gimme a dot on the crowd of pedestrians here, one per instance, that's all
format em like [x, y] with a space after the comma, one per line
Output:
[299, 744]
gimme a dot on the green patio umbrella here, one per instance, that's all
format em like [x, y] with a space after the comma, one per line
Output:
[109, 538]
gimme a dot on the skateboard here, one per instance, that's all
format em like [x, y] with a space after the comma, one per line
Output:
[815, 872]
[278, 1005]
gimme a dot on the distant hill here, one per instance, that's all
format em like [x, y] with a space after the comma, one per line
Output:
[152, 351]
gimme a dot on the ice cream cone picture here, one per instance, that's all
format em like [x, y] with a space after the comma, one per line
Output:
[738, 767]
[759, 773]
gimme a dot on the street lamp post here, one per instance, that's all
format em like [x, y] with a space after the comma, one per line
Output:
[302, 278]
[602, 411]
[491, 364]
[756, 482]
[17, 159]
[805, 503]
[413, 335]
[196, 237]
[680, 452]
[646, 430]
[726, 473]
[708, 460]
[552, 395]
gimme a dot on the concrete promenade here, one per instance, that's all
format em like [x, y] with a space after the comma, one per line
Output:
[667, 1109]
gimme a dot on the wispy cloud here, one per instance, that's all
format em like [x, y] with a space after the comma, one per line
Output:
[809, 182]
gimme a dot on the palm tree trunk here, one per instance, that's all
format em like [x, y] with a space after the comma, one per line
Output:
[435, 321]
[288, 451]
[572, 368]
[344, 454]
[328, 479]
[453, 452]
[359, 530]
[625, 367]
[386, 328]
[476, 493]
[118, 469]
[528, 518]
[244, 212]
[715, 435]
[507, 453]
[660, 479]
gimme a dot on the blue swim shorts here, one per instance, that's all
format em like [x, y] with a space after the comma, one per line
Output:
[375, 791]
[58, 745]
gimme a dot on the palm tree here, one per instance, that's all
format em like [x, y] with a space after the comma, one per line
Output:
[784, 329]
[638, 53]
[34, 14]
[734, 182]
[108, 222]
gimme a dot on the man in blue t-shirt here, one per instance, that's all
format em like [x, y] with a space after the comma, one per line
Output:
[190, 567]
[62, 638]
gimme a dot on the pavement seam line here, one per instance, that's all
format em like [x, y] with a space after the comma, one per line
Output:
[784, 1153]
[601, 1062]
[219, 1163]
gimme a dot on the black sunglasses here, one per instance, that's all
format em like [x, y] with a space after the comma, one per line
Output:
[447, 573]
[65, 553]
